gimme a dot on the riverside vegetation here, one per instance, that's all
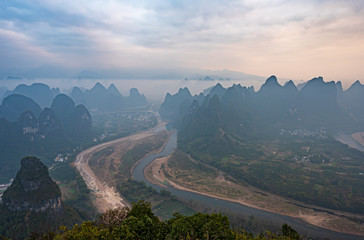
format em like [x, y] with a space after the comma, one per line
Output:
[114, 164]
[139, 222]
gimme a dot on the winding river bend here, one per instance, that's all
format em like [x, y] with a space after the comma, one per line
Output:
[224, 205]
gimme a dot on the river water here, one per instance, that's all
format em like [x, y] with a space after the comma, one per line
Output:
[227, 206]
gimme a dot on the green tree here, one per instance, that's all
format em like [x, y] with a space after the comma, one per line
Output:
[289, 232]
[140, 223]
[112, 218]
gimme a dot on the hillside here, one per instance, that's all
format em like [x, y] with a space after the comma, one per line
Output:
[33, 203]
[101, 99]
[38, 132]
[278, 139]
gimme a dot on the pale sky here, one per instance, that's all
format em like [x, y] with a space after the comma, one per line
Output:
[295, 39]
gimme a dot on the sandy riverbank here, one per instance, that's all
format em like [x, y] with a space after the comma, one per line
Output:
[359, 137]
[336, 220]
[106, 197]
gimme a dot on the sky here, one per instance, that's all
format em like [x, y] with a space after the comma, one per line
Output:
[295, 39]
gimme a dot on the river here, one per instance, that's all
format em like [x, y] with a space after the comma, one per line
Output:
[228, 206]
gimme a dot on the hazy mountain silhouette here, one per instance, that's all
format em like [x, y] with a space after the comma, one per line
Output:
[2, 91]
[217, 90]
[274, 106]
[39, 92]
[63, 106]
[15, 104]
[78, 96]
[175, 106]
[113, 90]
[317, 103]
[136, 99]
[81, 124]
[353, 100]
[98, 98]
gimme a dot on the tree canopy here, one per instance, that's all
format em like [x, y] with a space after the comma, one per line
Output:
[139, 222]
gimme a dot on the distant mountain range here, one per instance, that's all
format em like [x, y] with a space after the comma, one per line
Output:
[48, 71]
[317, 104]
[97, 98]
[25, 113]
[101, 99]
[39, 92]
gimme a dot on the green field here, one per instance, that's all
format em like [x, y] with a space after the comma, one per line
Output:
[314, 170]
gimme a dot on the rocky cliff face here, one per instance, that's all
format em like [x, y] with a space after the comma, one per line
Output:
[33, 189]
[32, 203]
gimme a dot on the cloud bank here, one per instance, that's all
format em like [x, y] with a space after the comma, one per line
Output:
[292, 39]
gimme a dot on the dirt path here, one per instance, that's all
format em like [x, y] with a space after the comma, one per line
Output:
[106, 197]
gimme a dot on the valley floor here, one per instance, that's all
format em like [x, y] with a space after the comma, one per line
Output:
[104, 192]
[216, 184]
[105, 196]
[211, 182]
